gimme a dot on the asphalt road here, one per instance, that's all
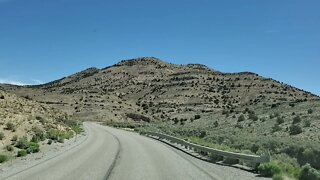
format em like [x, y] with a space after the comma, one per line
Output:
[114, 154]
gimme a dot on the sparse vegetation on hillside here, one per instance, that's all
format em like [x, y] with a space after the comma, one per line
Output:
[3, 158]
[24, 124]
[235, 111]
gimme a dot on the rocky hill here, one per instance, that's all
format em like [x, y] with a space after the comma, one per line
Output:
[160, 91]
[184, 97]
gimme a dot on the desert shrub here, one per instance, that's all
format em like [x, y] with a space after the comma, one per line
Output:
[310, 111]
[253, 117]
[276, 128]
[39, 135]
[254, 148]
[59, 136]
[22, 153]
[35, 139]
[309, 173]
[295, 129]
[251, 112]
[39, 118]
[14, 138]
[288, 169]
[197, 116]
[1, 136]
[33, 147]
[69, 134]
[311, 156]
[30, 147]
[280, 120]
[50, 141]
[202, 134]
[22, 143]
[304, 154]
[53, 134]
[175, 120]
[10, 126]
[278, 177]
[216, 124]
[296, 120]
[271, 116]
[241, 118]
[224, 112]
[269, 169]
[3, 158]
[307, 123]
[9, 148]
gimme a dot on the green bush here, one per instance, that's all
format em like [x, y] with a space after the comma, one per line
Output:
[14, 138]
[310, 111]
[276, 128]
[288, 169]
[59, 136]
[254, 148]
[307, 123]
[22, 153]
[309, 173]
[296, 120]
[253, 117]
[202, 134]
[50, 141]
[216, 124]
[10, 126]
[22, 143]
[197, 116]
[1, 136]
[69, 134]
[33, 147]
[38, 135]
[269, 169]
[311, 156]
[280, 120]
[241, 118]
[3, 158]
[278, 177]
[9, 148]
[30, 147]
[52, 134]
[295, 129]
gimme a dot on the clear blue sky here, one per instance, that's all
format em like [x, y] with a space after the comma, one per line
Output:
[42, 40]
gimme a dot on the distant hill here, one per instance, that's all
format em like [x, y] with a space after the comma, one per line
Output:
[152, 90]
[242, 111]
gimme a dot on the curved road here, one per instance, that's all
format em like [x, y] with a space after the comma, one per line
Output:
[114, 154]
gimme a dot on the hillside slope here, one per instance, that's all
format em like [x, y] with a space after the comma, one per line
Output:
[238, 110]
[21, 117]
[159, 89]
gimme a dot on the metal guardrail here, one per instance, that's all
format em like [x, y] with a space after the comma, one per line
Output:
[250, 160]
